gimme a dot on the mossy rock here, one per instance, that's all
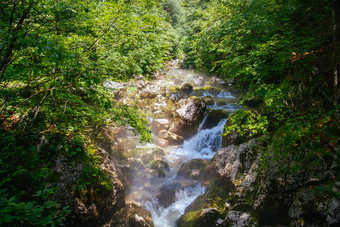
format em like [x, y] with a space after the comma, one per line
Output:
[213, 90]
[194, 169]
[208, 100]
[159, 164]
[221, 103]
[198, 91]
[200, 218]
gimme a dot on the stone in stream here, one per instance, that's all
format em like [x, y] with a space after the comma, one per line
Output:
[172, 138]
[213, 118]
[187, 115]
[194, 169]
[132, 215]
[159, 124]
[167, 193]
[187, 88]
[208, 100]
[151, 91]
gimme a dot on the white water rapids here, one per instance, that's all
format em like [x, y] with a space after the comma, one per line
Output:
[203, 145]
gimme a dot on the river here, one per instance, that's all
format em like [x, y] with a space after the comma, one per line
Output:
[167, 197]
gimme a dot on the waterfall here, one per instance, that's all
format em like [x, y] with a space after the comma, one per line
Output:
[225, 94]
[203, 145]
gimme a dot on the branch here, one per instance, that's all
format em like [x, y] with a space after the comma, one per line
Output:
[101, 36]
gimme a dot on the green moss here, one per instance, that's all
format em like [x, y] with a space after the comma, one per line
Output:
[189, 219]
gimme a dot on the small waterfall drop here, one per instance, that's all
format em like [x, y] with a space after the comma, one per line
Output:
[203, 145]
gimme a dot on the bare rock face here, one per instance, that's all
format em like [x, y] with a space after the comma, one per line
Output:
[96, 203]
[253, 195]
[187, 115]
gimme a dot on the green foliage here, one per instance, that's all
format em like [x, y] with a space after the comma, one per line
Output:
[285, 53]
[246, 122]
[54, 58]
[40, 212]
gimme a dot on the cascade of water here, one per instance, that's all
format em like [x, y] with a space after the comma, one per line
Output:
[225, 94]
[166, 217]
[203, 145]
[206, 93]
[203, 122]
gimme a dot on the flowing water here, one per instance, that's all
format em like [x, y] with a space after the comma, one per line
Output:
[203, 145]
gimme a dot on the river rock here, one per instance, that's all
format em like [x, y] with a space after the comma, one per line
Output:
[187, 115]
[213, 118]
[194, 169]
[187, 88]
[150, 91]
[172, 138]
[198, 81]
[208, 100]
[216, 81]
[190, 110]
[159, 124]
[133, 215]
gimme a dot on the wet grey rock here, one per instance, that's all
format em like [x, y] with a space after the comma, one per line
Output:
[194, 169]
[187, 88]
[190, 110]
[213, 118]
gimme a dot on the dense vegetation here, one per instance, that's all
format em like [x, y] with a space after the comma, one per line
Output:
[286, 53]
[54, 58]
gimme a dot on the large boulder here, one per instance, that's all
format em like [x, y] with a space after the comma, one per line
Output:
[187, 88]
[187, 115]
[244, 192]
